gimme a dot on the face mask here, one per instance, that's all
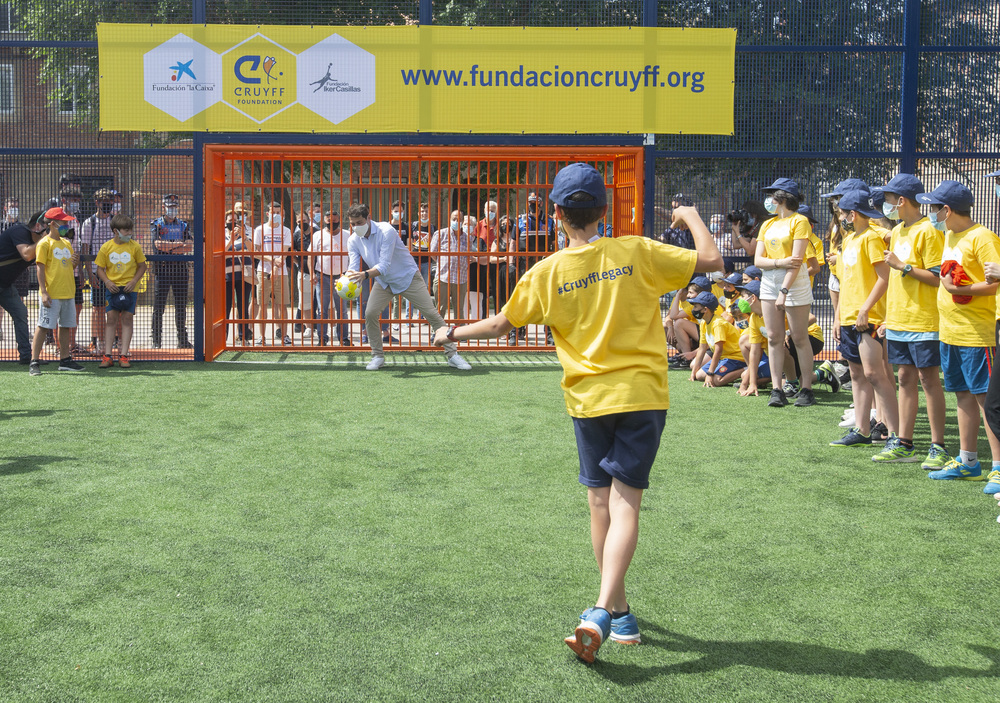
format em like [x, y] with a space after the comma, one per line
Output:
[63, 230]
[465, 228]
[12, 213]
[744, 306]
[106, 208]
[741, 324]
[72, 208]
[238, 216]
[276, 219]
[493, 216]
[698, 314]
[714, 228]
[229, 225]
[730, 294]
[770, 205]
[360, 230]
[171, 212]
[847, 226]
[116, 207]
[335, 225]
[939, 225]
[890, 211]
[424, 220]
[395, 216]
[454, 226]
[125, 237]
[70, 234]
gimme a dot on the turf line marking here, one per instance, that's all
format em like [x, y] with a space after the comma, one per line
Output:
[388, 365]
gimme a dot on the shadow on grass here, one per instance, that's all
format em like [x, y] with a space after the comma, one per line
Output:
[40, 412]
[792, 658]
[10, 465]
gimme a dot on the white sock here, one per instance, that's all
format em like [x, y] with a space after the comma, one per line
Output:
[968, 458]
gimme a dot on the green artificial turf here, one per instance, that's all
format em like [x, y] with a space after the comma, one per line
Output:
[298, 529]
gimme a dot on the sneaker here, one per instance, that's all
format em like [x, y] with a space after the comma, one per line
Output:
[937, 458]
[287, 341]
[457, 362]
[827, 375]
[68, 364]
[106, 362]
[307, 333]
[376, 363]
[790, 389]
[259, 341]
[34, 369]
[185, 345]
[590, 634]
[853, 438]
[346, 343]
[880, 433]
[847, 422]
[124, 362]
[896, 453]
[389, 340]
[992, 486]
[777, 399]
[805, 398]
[955, 470]
[624, 629]
[512, 339]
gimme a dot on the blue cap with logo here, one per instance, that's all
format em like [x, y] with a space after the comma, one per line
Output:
[705, 299]
[579, 178]
[702, 282]
[753, 288]
[846, 185]
[903, 184]
[785, 184]
[950, 193]
[734, 279]
[807, 212]
[753, 272]
[859, 201]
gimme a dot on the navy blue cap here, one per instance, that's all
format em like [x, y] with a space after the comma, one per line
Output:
[785, 184]
[703, 282]
[753, 272]
[706, 299]
[904, 184]
[846, 185]
[859, 201]
[753, 288]
[579, 178]
[807, 212]
[878, 200]
[734, 279]
[950, 193]
[993, 175]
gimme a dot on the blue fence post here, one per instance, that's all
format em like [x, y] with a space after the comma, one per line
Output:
[649, 149]
[426, 12]
[911, 86]
[199, 247]
[198, 12]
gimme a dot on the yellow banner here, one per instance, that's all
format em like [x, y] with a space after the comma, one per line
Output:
[235, 78]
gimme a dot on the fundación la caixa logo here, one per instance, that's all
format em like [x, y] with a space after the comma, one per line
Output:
[259, 78]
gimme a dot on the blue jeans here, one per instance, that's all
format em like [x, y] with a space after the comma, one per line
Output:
[325, 295]
[12, 303]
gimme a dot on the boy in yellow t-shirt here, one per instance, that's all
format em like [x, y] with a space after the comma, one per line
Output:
[601, 298]
[120, 266]
[753, 342]
[966, 320]
[863, 283]
[720, 340]
[56, 261]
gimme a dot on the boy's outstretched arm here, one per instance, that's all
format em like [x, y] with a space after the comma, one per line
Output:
[490, 328]
[709, 257]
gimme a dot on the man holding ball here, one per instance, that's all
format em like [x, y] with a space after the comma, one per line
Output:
[395, 272]
[601, 297]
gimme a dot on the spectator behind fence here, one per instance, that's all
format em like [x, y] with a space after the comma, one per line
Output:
[17, 252]
[56, 260]
[241, 218]
[479, 286]
[420, 243]
[395, 273]
[501, 268]
[11, 217]
[452, 282]
[171, 237]
[272, 239]
[402, 226]
[536, 237]
[308, 223]
[120, 266]
[95, 231]
[239, 271]
[330, 245]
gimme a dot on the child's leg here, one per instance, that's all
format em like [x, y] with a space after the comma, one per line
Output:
[968, 421]
[600, 521]
[930, 379]
[619, 545]
[111, 322]
[873, 361]
[126, 326]
[798, 326]
[861, 391]
[64, 342]
[774, 320]
[37, 342]
[728, 378]
[908, 400]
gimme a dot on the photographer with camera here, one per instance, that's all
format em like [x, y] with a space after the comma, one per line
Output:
[745, 223]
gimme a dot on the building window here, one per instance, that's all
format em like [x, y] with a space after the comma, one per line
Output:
[6, 17]
[6, 88]
[73, 90]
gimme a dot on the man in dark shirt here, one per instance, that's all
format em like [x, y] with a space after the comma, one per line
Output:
[17, 252]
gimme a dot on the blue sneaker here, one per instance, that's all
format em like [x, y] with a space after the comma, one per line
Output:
[853, 438]
[624, 629]
[992, 487]
[590, 634]
[955, 470]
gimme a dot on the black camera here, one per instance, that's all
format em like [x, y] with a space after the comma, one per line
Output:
[744, 219]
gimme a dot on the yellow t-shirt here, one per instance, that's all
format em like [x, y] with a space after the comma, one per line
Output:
[972, 324]
[602, 301]
[817, 248]
[120, 261]
[57, 257]
[757, 330]
[778, 235]
[860, 252]
[816, 331]
[911, 305]
[721, 330]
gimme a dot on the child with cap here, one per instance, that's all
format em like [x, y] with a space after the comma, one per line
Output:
[758, 371]
[863, 283]
[785, 290]
[835, 236]
[56, 261]
[967, 320]
[752, 273]
[719, 338]
[681, 329]
[601, 296]
[120, 266]
[911, 319]
[992, 403]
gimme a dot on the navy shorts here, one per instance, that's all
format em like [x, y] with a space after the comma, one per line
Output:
[922, 354]
[131, 308]
[620, 446]
[850, 338]
[725, 366]
[764, 368]
[966, 368]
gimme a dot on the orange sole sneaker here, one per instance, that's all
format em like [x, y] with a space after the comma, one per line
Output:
[585, 641]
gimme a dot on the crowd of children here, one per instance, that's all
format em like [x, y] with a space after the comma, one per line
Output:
[912, 291]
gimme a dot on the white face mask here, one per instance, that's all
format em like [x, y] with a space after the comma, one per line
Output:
[12, 213]
[465, 228]
[171, 212]
[124, 237]
[770, 205]
[72, 207]
[317, 217]
[276, 219]
[116, 207]
[890, 211]
[454, 226]
[360, 230]
[395, 215]
[714, 228]
[492, 216]
[424, 219]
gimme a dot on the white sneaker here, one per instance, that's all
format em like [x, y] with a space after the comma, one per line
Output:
[849, 422]
[458, 362]
[307, 333]
[848, 414]
[376, 363]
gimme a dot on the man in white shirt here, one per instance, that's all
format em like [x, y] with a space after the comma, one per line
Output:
[271, 239]
[330, 244]
[452, 281]
[395, 273]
